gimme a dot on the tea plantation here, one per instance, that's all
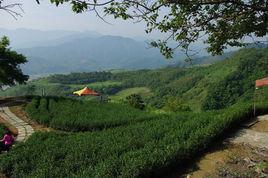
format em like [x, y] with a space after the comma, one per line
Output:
[144, 149]
[2, 130]
[74, 115]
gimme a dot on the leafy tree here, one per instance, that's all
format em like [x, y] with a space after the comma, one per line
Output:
[223, 22]
[136, 101]
[10, 72]
[240, 83]
[176, 105]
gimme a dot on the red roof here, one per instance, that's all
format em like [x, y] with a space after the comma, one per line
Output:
[86, 91]
[262, 82]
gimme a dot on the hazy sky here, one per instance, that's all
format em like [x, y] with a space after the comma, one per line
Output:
[47, 16]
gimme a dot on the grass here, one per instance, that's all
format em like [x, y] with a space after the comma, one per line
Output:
[96, 85]
[45, 82]
[56, 89]
[143, 91]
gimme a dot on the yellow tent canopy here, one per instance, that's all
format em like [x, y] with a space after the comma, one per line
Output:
[86, 91]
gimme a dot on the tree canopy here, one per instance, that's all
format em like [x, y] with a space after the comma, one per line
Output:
[221, 23]
[10, 61]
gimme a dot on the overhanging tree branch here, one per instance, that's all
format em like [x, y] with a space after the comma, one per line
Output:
[9, 8]
[224, 22]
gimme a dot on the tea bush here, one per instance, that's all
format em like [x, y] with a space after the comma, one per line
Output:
[2, 130]
[144, 149]
[74, 115]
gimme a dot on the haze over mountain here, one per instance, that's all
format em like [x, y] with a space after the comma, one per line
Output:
[90, 54]
[71, 51]
[28, 38]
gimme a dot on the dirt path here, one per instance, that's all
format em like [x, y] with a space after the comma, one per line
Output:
[24, 130]
[243, 155]
[256, 135]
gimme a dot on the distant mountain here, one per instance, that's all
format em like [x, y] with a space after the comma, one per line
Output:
[91, 54]
[28, 38]
[60, 51]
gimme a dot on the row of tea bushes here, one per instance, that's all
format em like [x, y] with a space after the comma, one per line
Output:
[144, 149]
[2, 131]
[74, 115]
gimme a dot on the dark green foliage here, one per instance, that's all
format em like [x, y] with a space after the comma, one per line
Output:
[209, 87]
[81, 78]
[10, 61]
[176, 105]
[213, 86]
[74, 115]
[144, 149]
[2, 130]
[136, 101]
[239, 83]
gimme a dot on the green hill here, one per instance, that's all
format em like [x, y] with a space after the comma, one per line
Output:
[206, 87]
[98, 139]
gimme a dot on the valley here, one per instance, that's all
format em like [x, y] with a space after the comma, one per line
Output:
[187, 111]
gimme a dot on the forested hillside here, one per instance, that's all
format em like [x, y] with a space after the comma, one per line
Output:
[173, 88]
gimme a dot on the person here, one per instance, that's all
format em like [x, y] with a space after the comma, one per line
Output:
[7, 141]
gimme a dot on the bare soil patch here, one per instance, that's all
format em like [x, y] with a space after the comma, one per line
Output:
[236, 160]
[261, 126]
[245, 155]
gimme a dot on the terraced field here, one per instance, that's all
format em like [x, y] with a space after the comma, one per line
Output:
[147, 148]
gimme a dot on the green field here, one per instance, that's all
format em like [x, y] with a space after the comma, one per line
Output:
[143, 91]
[36, 87]
[45, 82]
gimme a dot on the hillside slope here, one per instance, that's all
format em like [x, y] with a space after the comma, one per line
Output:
[205, 87]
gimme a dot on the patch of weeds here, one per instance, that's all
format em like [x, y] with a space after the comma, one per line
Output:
[225, 171]
[233, 159]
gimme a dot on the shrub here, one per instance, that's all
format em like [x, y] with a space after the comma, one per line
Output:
[74, 115]
[136, 101]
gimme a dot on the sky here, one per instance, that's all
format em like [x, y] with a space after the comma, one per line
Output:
[47, 16]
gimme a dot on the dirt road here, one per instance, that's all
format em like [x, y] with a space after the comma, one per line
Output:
[243, 155]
